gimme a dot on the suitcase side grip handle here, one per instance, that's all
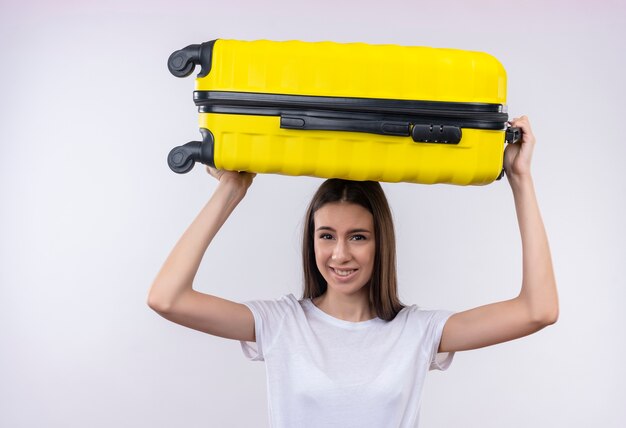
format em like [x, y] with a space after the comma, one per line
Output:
[441, 134]
[382, 127]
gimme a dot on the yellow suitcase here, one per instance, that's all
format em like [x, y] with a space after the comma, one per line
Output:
[356, 111]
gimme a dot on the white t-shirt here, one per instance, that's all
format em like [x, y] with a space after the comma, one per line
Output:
[326, 372]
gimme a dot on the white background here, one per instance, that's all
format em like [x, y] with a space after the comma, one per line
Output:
[89, 210]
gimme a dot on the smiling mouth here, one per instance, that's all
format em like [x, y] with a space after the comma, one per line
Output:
[343, 272]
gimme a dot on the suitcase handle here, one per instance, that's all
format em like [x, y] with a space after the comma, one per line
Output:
[182, 62]
[443, 134]
[383, 127]
[511, 136]
[182, 159]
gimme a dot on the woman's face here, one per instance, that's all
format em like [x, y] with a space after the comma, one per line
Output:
[344, 245]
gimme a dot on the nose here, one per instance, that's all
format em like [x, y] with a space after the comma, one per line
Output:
[341, 252]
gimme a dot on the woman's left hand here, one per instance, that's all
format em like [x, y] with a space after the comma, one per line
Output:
[517, 157]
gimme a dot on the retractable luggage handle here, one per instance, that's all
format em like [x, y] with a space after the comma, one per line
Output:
[511, 136]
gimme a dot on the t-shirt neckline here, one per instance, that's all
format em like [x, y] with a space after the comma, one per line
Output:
[321, 315]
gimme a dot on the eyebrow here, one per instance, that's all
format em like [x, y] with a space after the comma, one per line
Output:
[349, 231]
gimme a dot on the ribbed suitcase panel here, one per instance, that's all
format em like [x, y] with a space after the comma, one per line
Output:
[258, 144]
[355, 70]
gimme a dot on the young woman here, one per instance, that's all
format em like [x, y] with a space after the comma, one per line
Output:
[349, 354]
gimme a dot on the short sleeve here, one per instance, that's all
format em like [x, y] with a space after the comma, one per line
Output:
[438, 360]
[268, 318]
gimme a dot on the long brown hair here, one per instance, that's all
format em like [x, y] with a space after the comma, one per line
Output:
[383, 287]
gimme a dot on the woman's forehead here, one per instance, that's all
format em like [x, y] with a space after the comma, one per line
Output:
[343, 215]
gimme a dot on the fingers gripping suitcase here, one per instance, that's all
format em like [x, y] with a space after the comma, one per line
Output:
[355, 111]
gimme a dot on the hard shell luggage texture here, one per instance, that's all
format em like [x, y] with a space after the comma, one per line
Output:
[356, 111]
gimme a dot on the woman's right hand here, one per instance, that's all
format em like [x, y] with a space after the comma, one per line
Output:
[239, 181]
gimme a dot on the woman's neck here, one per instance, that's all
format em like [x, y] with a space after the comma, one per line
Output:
[354, 308]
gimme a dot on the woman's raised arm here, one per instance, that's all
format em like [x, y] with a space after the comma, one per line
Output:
[536, 306]
[172, 295]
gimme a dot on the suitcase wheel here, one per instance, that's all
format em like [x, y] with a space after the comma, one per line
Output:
[182, 62]
[181, 159]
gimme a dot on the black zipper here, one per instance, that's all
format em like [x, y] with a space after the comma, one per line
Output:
[426, 121]
[473, 111]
